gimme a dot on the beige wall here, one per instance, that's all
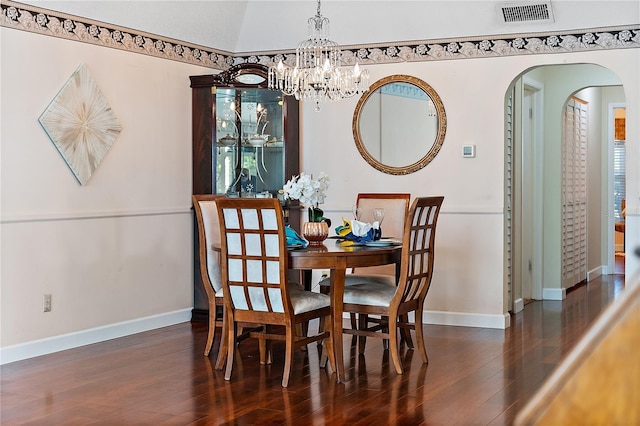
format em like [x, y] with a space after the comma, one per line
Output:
[119, 249]
[468, 278]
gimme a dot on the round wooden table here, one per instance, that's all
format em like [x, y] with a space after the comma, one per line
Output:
[338, 258]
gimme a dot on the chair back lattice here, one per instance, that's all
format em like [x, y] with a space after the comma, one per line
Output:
[253, 254]
[418, 250]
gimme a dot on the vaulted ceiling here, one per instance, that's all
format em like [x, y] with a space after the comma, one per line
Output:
[240, 26]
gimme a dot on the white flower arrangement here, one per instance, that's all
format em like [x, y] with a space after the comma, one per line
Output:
[305, 188]
[310, 192]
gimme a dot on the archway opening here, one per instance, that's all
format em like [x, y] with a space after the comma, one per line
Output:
[535, 119]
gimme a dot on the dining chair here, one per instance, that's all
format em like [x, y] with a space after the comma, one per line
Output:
[208, 238]
[395, 303]
[254, 280]
[396, 206]
[209, 256]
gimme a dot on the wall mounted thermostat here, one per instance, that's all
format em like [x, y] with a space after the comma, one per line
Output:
[468, 151]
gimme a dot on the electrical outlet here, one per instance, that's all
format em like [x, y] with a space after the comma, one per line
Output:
[46, 303]
[325, 274]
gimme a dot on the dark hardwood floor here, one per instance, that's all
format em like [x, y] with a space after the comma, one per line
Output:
[475, 376]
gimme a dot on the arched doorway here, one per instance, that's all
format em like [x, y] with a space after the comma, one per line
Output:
[534, 119]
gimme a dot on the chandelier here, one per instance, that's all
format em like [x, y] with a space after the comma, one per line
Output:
[317, 74]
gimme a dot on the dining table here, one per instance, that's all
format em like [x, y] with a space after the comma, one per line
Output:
[337, 257]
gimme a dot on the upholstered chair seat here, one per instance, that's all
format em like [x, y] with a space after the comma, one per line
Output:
[304, 301]
[369, 293]
[353, 279]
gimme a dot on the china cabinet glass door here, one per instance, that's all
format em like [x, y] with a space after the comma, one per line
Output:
[249, 158]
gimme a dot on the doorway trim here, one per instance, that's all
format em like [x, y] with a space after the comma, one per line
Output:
[537, 122]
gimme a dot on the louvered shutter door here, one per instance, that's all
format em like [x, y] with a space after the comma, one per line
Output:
[508, 199]
[574, 194]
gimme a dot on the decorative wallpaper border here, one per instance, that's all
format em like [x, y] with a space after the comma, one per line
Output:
[42, 21]
[47, 22]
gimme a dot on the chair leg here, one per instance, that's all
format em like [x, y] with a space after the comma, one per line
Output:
[212, 330]
[393, 344]
[264, 345]
[322, 324]
[405, 332]
[288, 356]
[321, 344]
[231, 348]
[420, 341]
[363, 320]
[385, 342]
[224, 341]
[354, 322]
[327, 346]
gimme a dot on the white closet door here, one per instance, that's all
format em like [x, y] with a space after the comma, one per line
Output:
[574, 194]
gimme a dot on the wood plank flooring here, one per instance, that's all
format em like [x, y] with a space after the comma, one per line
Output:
[475, 376]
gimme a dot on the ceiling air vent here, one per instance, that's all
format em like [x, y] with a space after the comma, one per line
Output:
[526, 12]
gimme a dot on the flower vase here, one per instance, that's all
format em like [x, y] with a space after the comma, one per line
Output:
[315, 232]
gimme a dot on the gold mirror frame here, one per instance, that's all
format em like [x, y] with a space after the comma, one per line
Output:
[435, 145]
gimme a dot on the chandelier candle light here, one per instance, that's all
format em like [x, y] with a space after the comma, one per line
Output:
[317, 74]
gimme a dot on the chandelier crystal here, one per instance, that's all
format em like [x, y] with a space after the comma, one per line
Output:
[317, 74]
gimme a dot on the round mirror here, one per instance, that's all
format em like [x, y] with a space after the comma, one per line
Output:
[399, 124]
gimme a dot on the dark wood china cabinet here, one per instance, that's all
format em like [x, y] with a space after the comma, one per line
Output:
[245, 144]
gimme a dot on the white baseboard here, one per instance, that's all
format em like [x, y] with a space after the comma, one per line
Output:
[462, 319]
[596, 272]
[518, 305]
[554, 293]
[100, 334]
[465, 319]
[93, 335]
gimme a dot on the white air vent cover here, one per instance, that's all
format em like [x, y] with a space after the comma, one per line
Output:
[539, 11]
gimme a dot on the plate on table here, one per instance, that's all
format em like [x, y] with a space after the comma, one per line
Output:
[383, 243]
[294, 246]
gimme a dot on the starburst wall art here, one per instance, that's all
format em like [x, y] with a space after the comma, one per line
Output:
[81, 124]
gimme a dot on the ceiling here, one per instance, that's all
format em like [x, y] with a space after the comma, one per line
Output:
[244, 26]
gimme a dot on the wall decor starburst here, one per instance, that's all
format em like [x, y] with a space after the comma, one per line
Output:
[81, 124]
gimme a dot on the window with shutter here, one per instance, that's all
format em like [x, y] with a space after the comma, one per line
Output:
[619, 181]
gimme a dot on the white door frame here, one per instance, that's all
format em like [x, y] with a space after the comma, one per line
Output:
[527, 198]
[536, 89]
